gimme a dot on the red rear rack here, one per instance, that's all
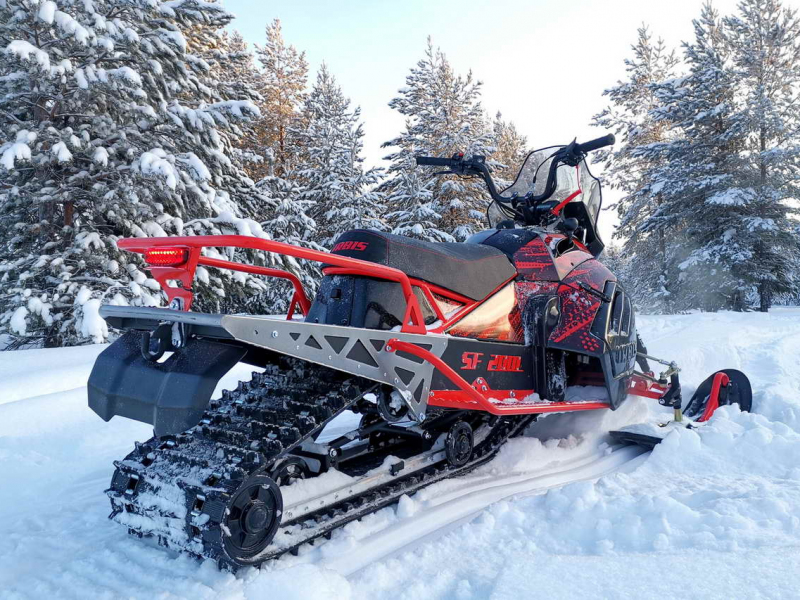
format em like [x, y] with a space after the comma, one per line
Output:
[176, 279]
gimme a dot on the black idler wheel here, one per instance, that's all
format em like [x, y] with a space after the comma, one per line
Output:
[289, 470]
[390, 406]
[252, 517]
[459, 444]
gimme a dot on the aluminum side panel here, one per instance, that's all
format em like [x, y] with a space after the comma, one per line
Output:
[353, 350]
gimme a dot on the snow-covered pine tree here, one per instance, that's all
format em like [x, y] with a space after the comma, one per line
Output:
[615, 258]
[511, 148]
[650, 274]
[232, 75]
[283, 81]
[698, 172]
[283, 85]
[443, 116]
[331, 170]
[764, 37]
[108, 132]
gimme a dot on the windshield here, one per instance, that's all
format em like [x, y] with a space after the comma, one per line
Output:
[575, 184]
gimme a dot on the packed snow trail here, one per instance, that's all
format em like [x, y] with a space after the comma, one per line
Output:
[557, 514]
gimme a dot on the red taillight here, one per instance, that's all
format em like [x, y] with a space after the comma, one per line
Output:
[166, 257]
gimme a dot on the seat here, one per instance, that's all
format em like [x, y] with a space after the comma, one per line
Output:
[471, 270]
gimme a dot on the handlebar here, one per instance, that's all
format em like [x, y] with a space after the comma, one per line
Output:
[571, 154]
[601, 142]
[434, 161]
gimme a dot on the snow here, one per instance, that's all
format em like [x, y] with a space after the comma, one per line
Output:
[80, 78]
[18, 150]
[155, 162]
[69, 25]
[201, 172]
[559, 513]
[25, 50]
[100, 156]
[61, 152]
[47, 11]
[18, 323]
[126, 73]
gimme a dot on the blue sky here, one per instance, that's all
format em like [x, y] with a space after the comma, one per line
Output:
[544, 64]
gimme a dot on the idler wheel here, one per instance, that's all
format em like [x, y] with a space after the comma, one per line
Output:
[289, 470]
[252, 517]
[459, 444]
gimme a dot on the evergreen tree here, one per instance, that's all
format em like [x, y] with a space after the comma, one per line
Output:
[109, 131]
[698, 173]
[443, 116]
[651, 272]
[284, 79]
[765, 40]
[232, 74]
[331, 171]
[511, 148]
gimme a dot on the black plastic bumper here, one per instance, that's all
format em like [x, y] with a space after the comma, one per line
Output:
[170, 395]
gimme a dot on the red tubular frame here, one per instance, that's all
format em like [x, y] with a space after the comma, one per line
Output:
[413, 321]
[482, 401]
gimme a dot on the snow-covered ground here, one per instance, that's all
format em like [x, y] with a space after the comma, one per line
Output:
[558, 514]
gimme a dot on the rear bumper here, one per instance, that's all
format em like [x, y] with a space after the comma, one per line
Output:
[147, 319]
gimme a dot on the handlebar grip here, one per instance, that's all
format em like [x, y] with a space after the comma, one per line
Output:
[601, 142]
[434, 161]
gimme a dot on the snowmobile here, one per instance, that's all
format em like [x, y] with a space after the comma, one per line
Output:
[435, 353]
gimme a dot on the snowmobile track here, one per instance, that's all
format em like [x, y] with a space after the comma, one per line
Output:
[176, 488]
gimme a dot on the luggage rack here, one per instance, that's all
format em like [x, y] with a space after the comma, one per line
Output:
[174, 260]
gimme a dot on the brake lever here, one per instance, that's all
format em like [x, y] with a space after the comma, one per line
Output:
[570, 157]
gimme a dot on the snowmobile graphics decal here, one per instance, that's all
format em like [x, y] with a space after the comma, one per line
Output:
[501, 365]
[351, 245]
[579, 308]
[497, 362]
[534, 262]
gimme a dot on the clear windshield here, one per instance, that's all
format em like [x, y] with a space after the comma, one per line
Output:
[576, 183]
[532, 177]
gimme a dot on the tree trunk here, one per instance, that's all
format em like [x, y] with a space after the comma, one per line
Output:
[69, 211]
[738, 301]
[765, 297]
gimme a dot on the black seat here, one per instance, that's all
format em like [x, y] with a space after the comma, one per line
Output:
[471, 270]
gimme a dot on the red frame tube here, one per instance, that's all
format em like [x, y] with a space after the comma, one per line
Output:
[412, 321]
[482, 401]
[299, 298]
[557, 209]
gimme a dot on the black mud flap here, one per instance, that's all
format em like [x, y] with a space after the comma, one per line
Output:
[170, 395]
